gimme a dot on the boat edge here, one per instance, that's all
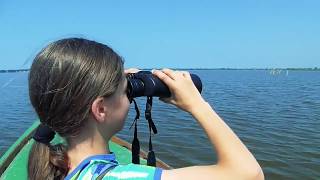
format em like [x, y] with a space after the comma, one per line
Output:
[15, 148]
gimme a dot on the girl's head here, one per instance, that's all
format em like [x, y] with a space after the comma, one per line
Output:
[74, 84]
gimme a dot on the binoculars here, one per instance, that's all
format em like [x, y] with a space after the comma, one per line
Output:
[144, 83]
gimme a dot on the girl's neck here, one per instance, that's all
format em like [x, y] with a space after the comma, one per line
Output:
[82, 148]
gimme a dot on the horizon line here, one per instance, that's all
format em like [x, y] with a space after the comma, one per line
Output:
[220, 68]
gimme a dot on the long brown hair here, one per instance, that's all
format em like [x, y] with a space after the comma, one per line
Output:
[65, 78]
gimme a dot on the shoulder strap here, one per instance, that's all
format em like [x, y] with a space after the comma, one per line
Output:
[100, 177]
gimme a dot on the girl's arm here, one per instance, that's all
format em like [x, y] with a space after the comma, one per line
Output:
[234, 160]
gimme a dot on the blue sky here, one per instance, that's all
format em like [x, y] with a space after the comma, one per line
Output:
[175, 34]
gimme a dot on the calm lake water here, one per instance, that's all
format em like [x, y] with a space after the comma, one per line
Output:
[276, 116]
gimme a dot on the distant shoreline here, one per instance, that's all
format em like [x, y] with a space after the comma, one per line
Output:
[290, 69]
[14, 70]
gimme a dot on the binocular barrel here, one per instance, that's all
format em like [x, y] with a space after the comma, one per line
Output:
[144, 83]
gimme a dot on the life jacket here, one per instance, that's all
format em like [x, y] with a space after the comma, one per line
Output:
[106, 167]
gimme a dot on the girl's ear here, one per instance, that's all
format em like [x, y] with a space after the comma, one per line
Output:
[99, 109]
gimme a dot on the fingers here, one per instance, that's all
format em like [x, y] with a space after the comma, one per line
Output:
[176, 74]
[186, 74]
[169, 73]
[164, 77]
[167, 100]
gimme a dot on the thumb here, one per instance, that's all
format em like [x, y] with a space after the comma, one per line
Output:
[167, 100]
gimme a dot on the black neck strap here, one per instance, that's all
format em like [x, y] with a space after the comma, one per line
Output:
[151, 160]
[135, 142]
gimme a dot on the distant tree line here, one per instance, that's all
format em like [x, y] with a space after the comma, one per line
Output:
[14, 70]
[304, 69]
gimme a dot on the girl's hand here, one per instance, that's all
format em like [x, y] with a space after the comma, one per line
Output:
[184, 93]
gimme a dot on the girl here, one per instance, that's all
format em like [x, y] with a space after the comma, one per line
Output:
[78, 89]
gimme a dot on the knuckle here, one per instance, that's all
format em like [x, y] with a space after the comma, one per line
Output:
[167, 71]
[165, 78]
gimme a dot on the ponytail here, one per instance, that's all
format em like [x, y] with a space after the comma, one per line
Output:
[47, 162]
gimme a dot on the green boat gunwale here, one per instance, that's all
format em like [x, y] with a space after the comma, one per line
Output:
[15, 148]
